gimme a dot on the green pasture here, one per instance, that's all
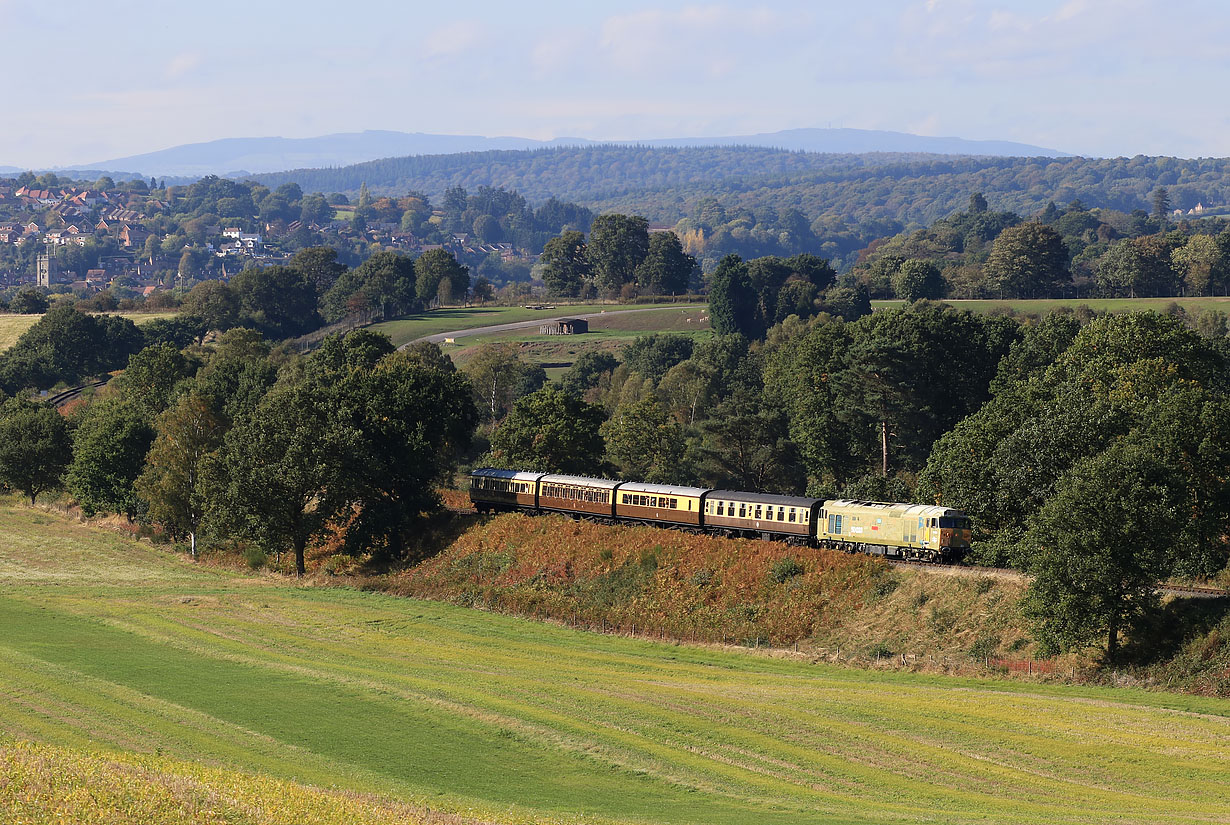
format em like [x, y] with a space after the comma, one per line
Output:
[448, 319]
[1043, 306]
[12, 326]
[610, 333]
[107, 644]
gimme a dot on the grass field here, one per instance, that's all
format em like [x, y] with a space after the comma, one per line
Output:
[1044, 306]
[12, 326]
[411, 327]
[605, 333]
[109, 646]
[42, 783]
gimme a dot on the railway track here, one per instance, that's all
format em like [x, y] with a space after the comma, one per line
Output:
[1185, 590]
[1188, 591]
[1194, 591]
[61, 398]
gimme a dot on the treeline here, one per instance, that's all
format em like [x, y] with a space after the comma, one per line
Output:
[668, 184]
[1073, 251]
[584, 173]
[68, 345]
[256, 447]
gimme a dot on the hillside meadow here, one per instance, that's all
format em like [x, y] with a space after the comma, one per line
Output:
[610, 333]
[449, 319]
[12, 326]
[122, 660]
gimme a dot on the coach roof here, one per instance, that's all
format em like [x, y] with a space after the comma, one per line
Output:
[511, 475]
[761, 498]
[661, 489]
[581, 481]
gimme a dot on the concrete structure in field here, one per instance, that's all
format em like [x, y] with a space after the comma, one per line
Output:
[565, 326]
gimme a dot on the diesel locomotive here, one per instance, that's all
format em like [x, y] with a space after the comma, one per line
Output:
[904, 531]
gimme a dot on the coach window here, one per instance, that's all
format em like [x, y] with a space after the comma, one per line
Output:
[674, 504]
[791, 515]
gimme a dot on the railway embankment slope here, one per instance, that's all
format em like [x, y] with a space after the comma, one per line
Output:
[802, 601]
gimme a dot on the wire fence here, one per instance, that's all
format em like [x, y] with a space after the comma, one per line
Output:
[871, 653]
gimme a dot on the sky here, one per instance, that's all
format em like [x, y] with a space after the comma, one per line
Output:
[89, 81]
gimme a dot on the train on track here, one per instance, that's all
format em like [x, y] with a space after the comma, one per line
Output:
[904, 531]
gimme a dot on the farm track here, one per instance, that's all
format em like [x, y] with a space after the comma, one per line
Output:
[440, 337]
[1189, 591]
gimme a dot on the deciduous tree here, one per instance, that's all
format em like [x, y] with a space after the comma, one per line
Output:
[617, 246]
[35, 447]
[553, 431]
[109, 449]
[172, 481]
[566, 265]
[644, 442]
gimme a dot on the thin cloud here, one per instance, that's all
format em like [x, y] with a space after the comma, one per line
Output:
[455, 38]
[180, 65]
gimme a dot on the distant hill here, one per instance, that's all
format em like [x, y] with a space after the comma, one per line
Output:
[666, 184]
[236, 157]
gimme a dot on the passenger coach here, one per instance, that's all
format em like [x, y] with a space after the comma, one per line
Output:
[785, 518]
[493, 490]
[659, 504]
[577, 494]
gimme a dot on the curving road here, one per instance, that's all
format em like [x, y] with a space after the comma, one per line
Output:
[438, 338]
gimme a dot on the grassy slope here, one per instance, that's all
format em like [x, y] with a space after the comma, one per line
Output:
[42, 783]
[12, 326]
[107, 644]
[411, 327]
[610, 334]
[1043, 306]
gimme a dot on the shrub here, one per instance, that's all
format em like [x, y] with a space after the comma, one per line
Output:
[254, 556]
[702, 578]
[786, 569]
[879, 650]
[984, 647]
[884, 587]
